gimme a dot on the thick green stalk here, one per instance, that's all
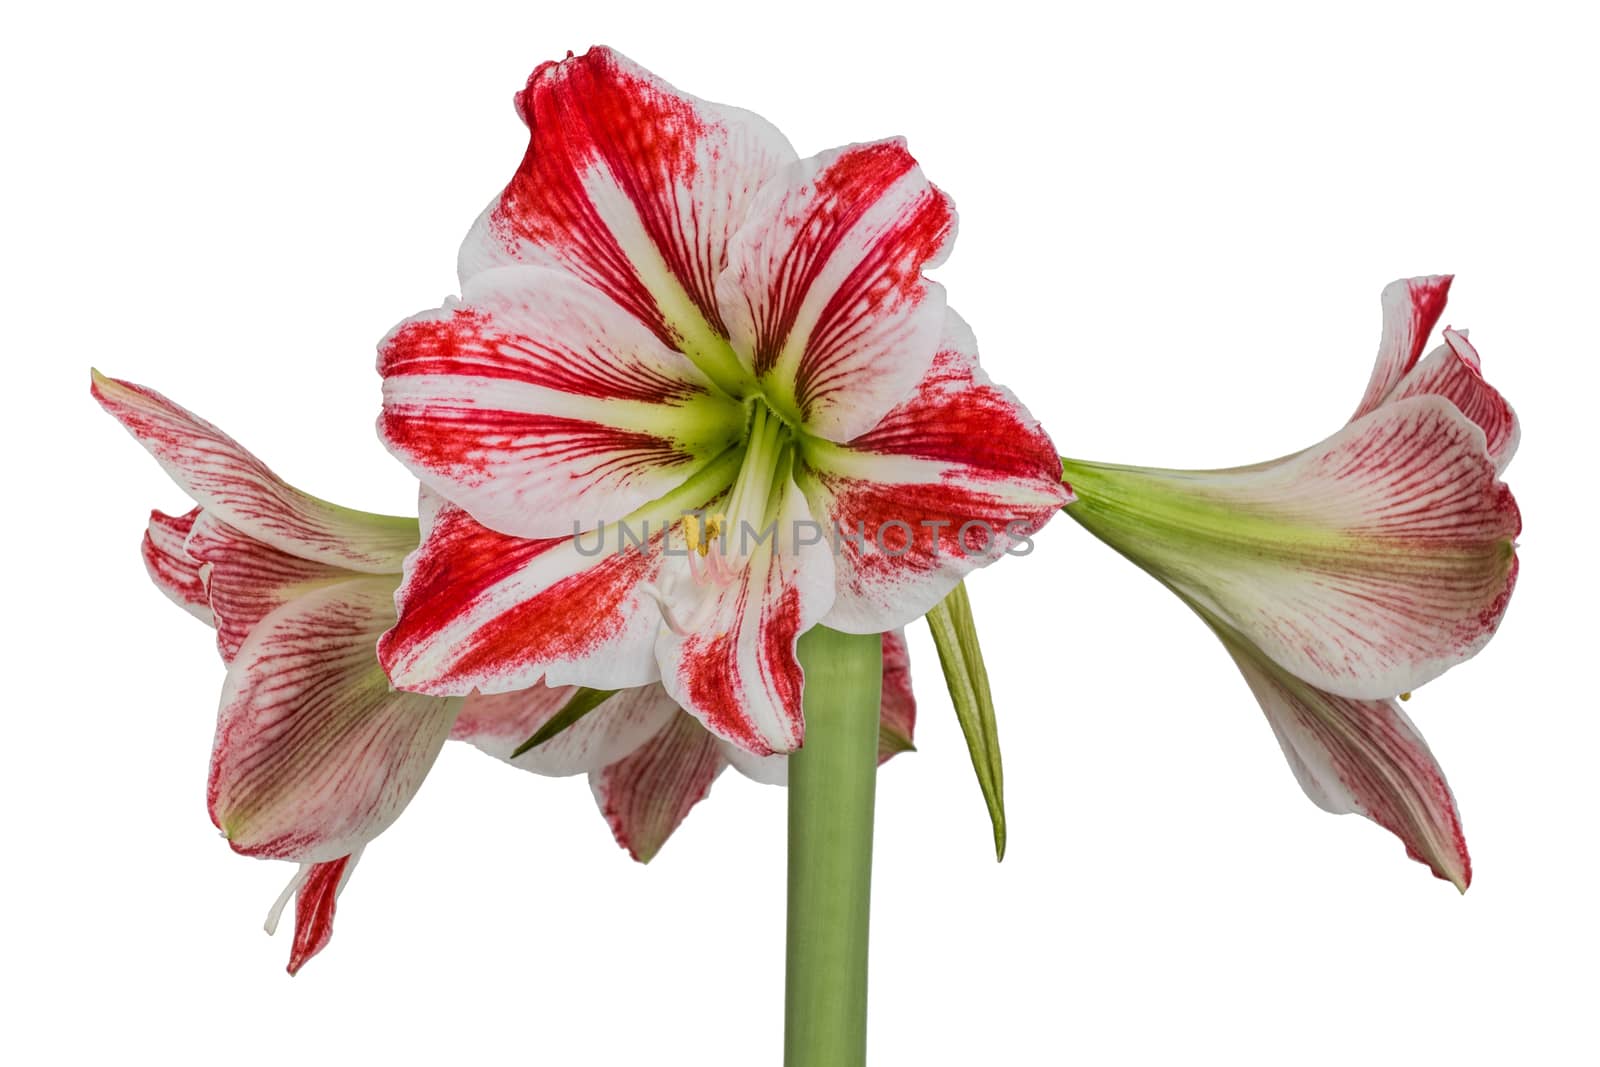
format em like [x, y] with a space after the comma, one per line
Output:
[831, 787]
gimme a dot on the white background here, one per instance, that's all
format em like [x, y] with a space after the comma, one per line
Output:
[1175, 223]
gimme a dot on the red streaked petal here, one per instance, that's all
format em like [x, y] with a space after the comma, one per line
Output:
[645, 795]
[315, 754]
[735, 667]
[481, 610]
[1367, 565]
[175, 572]
[1411, 308]
[1455, 372]
[541, 407]
[897, 717]
[246, 580]
[823, 294]
[959, 450]
[1360, 756]
[498, 723]
[238, 488]
[633, 187]
[315, 888]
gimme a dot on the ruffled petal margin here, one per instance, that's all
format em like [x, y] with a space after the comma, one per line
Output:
[1411, 309]
[635, 188]
[173, 570]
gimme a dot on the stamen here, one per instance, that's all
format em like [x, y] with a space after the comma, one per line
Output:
[276, 912]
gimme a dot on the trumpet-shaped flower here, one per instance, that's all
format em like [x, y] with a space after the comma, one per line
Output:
[1347, 574]
[315, 753]
[696, 397]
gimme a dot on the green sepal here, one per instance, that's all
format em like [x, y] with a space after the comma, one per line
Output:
[582, 703]
[955, 634]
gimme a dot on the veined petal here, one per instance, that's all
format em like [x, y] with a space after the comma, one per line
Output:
[897, 719]
[482, 610]
[1366, 565]
[952, 478]
[633, 187]
[540, 404]
[1411, 308]
[246, 580]
[175, 572]
[897, 714]
[315, 888]
[1454, 371]
[823, 294]
[734, 666]
[238, 488]
[645, 795]
[499, 722]
[1360, 756]
[315, 755]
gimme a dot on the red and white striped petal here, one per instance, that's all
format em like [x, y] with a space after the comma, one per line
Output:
[897, 717]
[1361, 756]
[1365, 565]
[315, 889]
[246, 580]
[238, 488]
[542, 407]
[645, 795]
[1455, 372]
[728, 653]
[480, 610]
[315, 754]
[633, 187]
[956, 475]
[499, 722]
[175, 572]
[1411, 308]
[823, 294]
[897, 713]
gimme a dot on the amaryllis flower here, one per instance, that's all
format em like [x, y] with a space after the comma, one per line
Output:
[315, 753]
[1350, 573]
[696, 397]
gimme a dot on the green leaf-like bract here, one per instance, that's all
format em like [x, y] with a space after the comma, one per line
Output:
[582, 703]
[956, 636]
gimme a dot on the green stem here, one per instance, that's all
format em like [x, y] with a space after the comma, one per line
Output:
[831, 785]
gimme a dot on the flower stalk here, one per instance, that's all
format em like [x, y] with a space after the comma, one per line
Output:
[832, 780]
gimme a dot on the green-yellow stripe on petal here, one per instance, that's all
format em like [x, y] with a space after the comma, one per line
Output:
[315, 754]
[1366, 565]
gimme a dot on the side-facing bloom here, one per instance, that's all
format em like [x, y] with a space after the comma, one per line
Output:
[316, 754]
[1350, 573]
[696, 397]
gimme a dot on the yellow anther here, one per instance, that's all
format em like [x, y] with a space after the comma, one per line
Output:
[700, 535]
[1405, 696]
